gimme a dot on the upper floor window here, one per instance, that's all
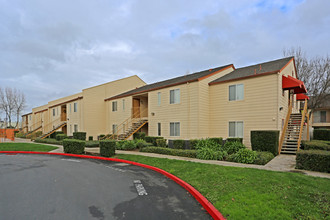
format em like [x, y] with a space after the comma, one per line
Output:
[30, 117]
[54, 111]
[114, 106]
[236, 92]
[70, 108]
[174, 96]
[75, 107]
[123, 104]
[159, 98]
[236, 129]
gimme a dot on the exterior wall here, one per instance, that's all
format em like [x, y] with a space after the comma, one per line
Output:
[258, 109]
[318, 124]
[74, 118]
[94, 107]
[119, 116]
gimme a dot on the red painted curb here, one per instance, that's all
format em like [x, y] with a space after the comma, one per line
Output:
[198, 196]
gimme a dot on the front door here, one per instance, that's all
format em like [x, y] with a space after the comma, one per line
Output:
[63, 113]
[136, 108]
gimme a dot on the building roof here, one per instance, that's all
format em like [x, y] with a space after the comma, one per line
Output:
[172, 82]
[254, 70]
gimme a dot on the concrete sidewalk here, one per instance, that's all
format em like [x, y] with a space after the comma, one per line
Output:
[282, 163]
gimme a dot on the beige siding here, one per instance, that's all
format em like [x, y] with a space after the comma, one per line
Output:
[119, 116]
[258, 109]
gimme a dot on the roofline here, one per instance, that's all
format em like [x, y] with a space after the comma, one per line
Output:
[71, 100]
[294, 64]
[27, 114]
[245, 77]
[170, 85]
[41, 111]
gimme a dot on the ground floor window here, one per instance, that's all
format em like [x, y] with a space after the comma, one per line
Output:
[159, 129]
[174, 128]
[236, 129]
[75, 128]
[70, 129]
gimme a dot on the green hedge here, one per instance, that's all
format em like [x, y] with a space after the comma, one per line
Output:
[217, 140]
[235, 140]
[161, 142]
[193, 143]
[169, 151]
[265, 141]
[48, 141]
[60, 137]
[90, 138]
[316, 145]
[321, 134]
[139, 135]
[315, 160]
[178, 144]
[53, 135]
[243, 156]
[73, 146]
[107, 148]
[233, 147]
[152, 140]
[92, 144]
[263, 157]
[126, 145]
[79, 136]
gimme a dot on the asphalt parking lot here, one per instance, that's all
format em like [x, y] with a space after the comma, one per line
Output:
[59, 187]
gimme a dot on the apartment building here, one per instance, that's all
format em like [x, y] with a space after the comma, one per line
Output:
[220, 102]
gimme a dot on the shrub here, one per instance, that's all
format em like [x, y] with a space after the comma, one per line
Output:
[53, 135]
[233, 147]
[92, 144]
[139, 135]
[38, 133]
[161, 142]
[140, 143]
[60, 137]
[152, 140]
[107, 148]
[193, 143]
[170, 151]
[208, 143]
[48, 141]
[125, 145]
[20, 135]
[101, 136]
[73, 146]
[316, 145]
[15, 132]
[178, 144]
[244, 156]
[235, 140]
[90, 138]
[315, 160]
[321, 134]
[217, 140]
[265, 141]
[79, 136]
[263, 157]
[210, 154]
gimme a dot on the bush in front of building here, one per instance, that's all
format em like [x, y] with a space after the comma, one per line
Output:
[193, 143]
[92, 144]
[321, 134]
[208, 149]
[151, 139]
[217, 140]
[20, 135]
[73, 146]
[53, 135]
[263, 157]
[232, 147]
[141, 143]
[139, 135]
[170, 151]
[314, 160]
[315, 145]
[48, 141]
[265, 141]
[235, 140]
[101, 136]
[60, 137]
[126, 145]
[90, 138]
[79, 136]
[243, 156]
[161, 142]
[107, 148]
[178, 144]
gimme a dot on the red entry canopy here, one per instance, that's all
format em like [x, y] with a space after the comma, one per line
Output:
[289, 83]
[301, 97]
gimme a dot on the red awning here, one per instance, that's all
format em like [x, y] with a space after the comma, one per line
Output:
[289, 83]
[301, 97]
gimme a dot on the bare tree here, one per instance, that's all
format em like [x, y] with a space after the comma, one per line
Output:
[12, 103]
[314, 72]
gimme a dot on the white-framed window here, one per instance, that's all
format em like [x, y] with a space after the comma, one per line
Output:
[75, 128]
[174, 96]
[70, 129]
[159, 129]
[236, 129]
[30, 118]
[57, 111]
[159, 100]
[123, 104]
[320, 116]
[174, 128]
[70, 108]
[114, 106]
[53, 112]
[114, 128]
[75, 107]
[236, 92]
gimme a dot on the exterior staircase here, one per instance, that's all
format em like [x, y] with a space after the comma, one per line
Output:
[61, 125]
[291, 137]
[133, 129]
[30, 132]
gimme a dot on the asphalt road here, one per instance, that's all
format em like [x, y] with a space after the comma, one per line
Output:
[58, 187]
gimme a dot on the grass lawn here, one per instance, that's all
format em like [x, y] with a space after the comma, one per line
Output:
[245, 193]
[25, 147]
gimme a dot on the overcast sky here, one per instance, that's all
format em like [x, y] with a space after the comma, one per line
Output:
[53, 48]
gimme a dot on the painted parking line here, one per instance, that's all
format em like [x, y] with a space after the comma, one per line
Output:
[117, 169]
[140, 188]
[77, 161]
